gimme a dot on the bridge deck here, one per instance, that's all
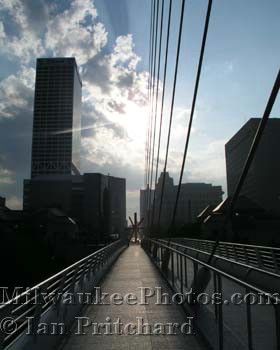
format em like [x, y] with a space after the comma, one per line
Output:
[132, 270]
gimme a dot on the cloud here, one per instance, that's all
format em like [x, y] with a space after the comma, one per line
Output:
[6, 176]
[16, 93]
[23, 40]
[74, 32]
[13, 202]
[118, 107]
[123, 52]
[98, 71]
[41, 30]
[37, 14]
[114, 90]
[2, 32]
[115, 74]
[207, 164]
[115, 98]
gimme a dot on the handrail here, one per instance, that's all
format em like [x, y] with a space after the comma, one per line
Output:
[228, 243]
[265, 258]
[216, 270]
[225, 257]
[62, 272]
[39, 300]
[220, 325]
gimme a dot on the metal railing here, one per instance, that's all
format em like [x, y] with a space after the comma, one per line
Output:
[46, 301]
[266, 258]
[243, 316]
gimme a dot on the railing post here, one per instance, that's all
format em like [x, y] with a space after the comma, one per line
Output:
[235, 254]
[6, 312]
[154, 251]
[277, 324]
[220, 315]
[91, 268]
[215, 291]
[165, 261]
[82, 277]
[186, 272]
[226, 249]
[177, 265]
[181, 274]
[246, 255]
[195, 267]
[172, 268]
[60, 293]
[276, 268]
[74, 277]
[259, 257]
[249, 322]
[99, 261]
[38, 312]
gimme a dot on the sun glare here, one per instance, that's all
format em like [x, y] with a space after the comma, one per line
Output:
[134, 122]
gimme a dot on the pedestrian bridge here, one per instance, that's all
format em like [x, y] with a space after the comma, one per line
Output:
[152, 297]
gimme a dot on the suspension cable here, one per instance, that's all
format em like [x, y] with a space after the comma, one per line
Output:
[150, 94]
[172, 105]
[147, 128]
[249, 160]
[206, 25]
[162, 103]
[156, 109]
[152, 111]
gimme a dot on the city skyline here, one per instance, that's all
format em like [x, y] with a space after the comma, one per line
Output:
[113, 56]
[139, 174]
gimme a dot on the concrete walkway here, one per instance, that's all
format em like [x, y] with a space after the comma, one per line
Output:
[130, 274]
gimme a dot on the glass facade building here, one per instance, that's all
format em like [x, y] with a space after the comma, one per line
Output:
[57, 117]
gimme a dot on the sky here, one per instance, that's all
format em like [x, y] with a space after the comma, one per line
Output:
[110, 41]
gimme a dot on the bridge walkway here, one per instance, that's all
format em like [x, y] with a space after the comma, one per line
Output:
[132, 270]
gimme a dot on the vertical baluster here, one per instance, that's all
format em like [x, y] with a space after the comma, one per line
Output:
[181, 274]
[259, 257]
[177, 265]
[235, 254]
[227, 252]
[186, 272]
[172, 267]
[246, 255]
[74, 277]
[275, 262]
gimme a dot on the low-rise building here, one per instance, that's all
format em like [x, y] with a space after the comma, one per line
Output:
[97, 202]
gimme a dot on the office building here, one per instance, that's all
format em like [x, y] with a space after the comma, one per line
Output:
[262, 183]
[57, 117]
[97, 202]
[145, 196]
[194, 197]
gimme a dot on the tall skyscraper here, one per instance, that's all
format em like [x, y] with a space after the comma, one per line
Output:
[96, 201]
[262, 184]
[57, 117]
